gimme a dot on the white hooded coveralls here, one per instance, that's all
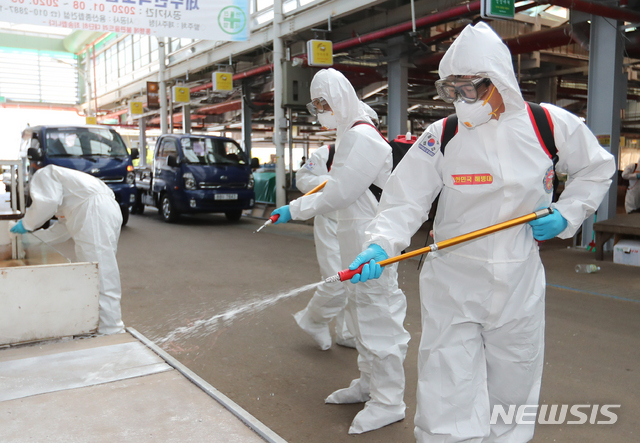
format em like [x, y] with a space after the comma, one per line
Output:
[483, 300]
[88, 213]
[330, 299]
[377, 307]
[632, 197]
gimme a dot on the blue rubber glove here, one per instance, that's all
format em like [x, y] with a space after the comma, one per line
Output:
[372, 269]
[18, 228]
[638, 176]
[546, 228]
[284, 213]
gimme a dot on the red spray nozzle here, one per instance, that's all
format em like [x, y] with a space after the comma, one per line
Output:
[345, 274]
[271, 219]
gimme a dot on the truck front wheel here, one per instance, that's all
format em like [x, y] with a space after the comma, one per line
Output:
[138, 206]
[233, 216]
[167, 210]
[125, 214]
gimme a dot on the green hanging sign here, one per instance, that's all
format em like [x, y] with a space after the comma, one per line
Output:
[504, 9]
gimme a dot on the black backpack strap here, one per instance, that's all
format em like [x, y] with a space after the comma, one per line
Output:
[376, 191]
[543, 125]
[332, 153]
[450, 129]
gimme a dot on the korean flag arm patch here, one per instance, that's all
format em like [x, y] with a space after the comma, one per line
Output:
[429, 141]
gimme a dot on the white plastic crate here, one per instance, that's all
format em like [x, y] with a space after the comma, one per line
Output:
[627, 252]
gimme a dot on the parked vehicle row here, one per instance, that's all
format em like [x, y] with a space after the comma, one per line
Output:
[190, 173]
[196, 174]
[96, 150]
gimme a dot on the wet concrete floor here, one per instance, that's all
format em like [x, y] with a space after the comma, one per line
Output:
[175, 275]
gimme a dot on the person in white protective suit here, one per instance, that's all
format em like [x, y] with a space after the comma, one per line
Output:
[632, 197]
[377, 308]
[88, 213]
[483, 300]
[330, 299]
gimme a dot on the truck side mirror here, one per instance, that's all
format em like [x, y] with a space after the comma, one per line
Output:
[34, 154]
[135, 153]
[255, 163]
[172, 161]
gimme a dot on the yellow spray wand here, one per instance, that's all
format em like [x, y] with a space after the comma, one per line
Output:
[348, 273]
[275, 217]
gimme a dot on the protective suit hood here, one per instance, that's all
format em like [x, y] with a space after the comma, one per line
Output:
[334, 87]
[373, 115]
[479, 50]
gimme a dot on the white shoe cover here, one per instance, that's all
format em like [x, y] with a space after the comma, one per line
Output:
[346, 342]
[357, 392]
[318, 331]
[375, 416]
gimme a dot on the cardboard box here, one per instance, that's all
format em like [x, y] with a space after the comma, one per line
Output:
[627, 252]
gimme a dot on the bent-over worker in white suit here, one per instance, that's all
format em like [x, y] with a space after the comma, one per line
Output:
[88, 213]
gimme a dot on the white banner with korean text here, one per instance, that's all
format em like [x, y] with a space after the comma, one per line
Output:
[221, 20]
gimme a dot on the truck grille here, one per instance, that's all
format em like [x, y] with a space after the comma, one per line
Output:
[204, 185]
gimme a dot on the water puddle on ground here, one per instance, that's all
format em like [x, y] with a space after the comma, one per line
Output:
[201, 328]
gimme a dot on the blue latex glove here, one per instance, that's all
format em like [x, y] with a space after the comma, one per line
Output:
[638, 176]
[18, 228]
[284, 213]
[372, 269]
[548, 227]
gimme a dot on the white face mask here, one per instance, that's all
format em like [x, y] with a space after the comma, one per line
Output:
[474, 114]
[328, 120]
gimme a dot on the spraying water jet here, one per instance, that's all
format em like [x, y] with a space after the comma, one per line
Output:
[210, 325]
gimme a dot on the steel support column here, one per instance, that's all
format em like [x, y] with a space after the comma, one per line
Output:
[604, 103]
[547, 89]
[278, 111]
[142, 141]
[170, 113]
[398, 99]
[186, 119]
[88, 81]
[246, 117]
[290, 144]
[162, 85]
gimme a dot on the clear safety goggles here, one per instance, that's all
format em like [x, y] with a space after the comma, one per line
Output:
[469, 90]
[318, 106]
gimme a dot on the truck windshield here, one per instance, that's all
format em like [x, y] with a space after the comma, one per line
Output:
[79, 142]
[209, 151]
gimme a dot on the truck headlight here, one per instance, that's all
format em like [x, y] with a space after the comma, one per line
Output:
[251, 183]
[131, 178]
[189, 181]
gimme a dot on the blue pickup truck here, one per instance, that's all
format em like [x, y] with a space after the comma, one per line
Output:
[194, 173]
[96, 150]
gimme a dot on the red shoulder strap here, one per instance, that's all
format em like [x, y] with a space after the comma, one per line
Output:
[362, 122]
